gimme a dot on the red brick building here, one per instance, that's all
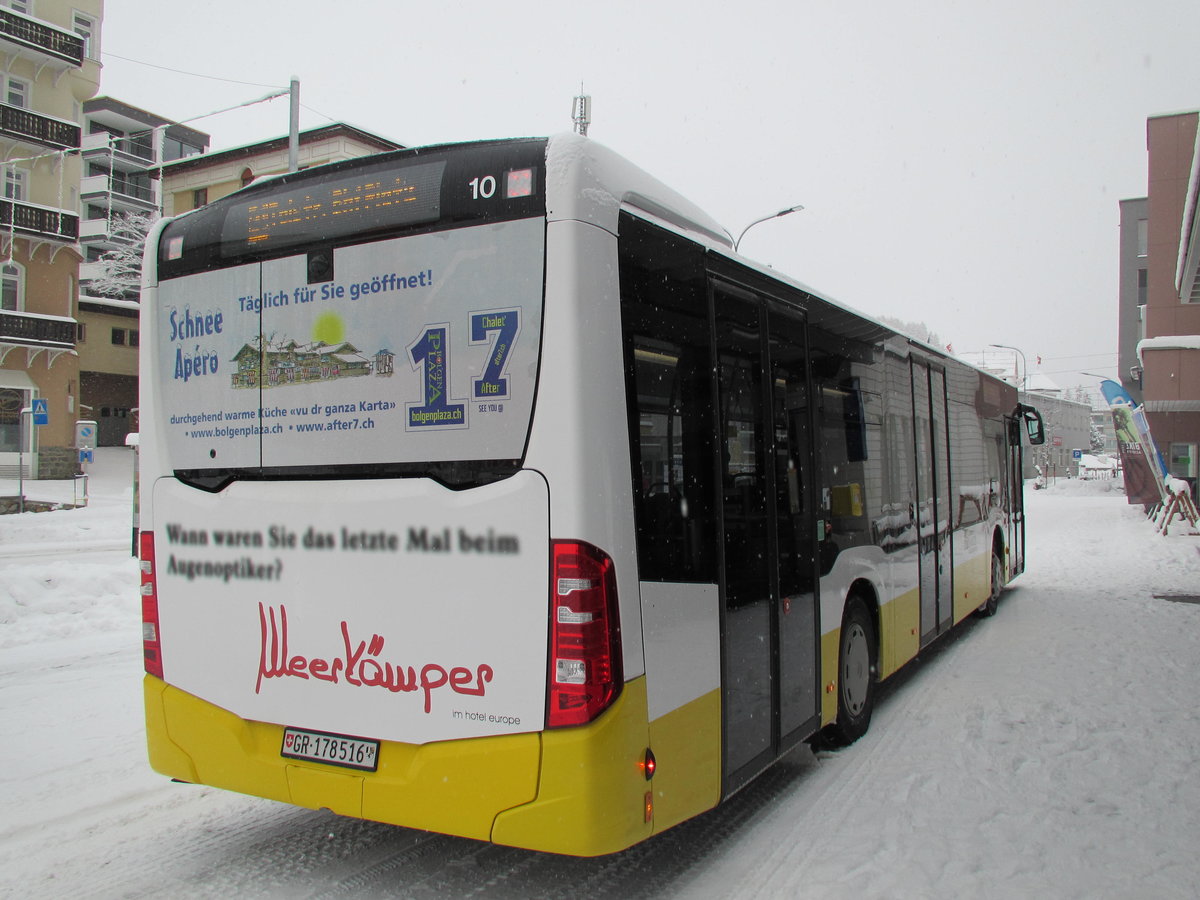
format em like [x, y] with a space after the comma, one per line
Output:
[1169, 352]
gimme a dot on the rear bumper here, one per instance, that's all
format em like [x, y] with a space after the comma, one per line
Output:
[578, 791]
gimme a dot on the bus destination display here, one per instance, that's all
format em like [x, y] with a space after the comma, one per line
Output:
[326, 209]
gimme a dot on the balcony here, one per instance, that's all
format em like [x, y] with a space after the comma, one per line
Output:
[29, 127]
[40, 40]
[37, 331]
[122, 153]
[117, 194]
[28, 220]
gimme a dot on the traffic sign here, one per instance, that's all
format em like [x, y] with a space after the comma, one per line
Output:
[85, 433]
[41, 411]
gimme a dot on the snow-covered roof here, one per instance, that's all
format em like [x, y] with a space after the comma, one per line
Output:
[1168, 342]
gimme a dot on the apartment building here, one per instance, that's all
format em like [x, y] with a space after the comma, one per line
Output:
[49, 60]
[1166, 238]
[123, 148]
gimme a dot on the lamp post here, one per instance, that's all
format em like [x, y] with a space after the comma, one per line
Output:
[774, 215]
[1023, 364]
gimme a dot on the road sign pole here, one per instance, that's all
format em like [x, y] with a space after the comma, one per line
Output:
[21, 458]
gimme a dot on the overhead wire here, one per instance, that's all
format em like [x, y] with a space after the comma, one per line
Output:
[185, 72]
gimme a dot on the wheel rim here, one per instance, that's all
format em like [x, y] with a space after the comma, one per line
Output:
[856, 670]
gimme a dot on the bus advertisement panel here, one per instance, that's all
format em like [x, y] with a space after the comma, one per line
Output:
[415, 350]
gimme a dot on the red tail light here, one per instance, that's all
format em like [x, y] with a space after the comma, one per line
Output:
[151, 649]
[585, 634]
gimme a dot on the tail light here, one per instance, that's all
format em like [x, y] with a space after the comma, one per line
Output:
[585, 634]
[151, 649]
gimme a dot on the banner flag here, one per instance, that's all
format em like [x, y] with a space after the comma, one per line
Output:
[1142, 464]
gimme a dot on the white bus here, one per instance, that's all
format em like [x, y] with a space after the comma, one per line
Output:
[486, 490]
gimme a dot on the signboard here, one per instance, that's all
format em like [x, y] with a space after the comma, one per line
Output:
[446, 633]
[85, 434]
[41, 411]
[417, 349]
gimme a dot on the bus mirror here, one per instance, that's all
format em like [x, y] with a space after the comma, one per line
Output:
[1035, 430]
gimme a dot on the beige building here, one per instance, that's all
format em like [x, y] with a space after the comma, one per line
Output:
[49, 57]
[193, 182]
[122, 147]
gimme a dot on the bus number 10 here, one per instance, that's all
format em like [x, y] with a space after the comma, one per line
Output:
[482, 188]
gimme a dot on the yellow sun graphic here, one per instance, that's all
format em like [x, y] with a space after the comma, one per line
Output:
[329, 328]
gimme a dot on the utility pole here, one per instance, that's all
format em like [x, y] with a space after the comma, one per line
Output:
[294, 127]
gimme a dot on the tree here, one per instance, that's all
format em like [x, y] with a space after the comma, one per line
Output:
[120, 269]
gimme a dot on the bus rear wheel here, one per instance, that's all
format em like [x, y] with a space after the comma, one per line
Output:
[989, 605]
[856, 676]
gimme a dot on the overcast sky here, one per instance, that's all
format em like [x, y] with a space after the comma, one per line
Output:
[960, 163]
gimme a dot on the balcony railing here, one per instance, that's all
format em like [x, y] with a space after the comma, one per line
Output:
[38, 221]
[117, 193]
[27, 125]
[134, 154]
[41, 38]
[33, 329]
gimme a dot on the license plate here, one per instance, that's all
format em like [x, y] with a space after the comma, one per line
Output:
[334, 749]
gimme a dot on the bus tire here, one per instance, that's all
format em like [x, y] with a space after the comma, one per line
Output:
[993, 600]
[856, 675]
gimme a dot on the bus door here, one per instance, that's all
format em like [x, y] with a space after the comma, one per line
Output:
[932, 500]
[766, 516]
[1016, 518]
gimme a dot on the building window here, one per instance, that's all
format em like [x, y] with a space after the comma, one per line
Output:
[21, 6]
[173, 148]
[15, 183]
[11, 403]
[118, 337]
[11, 287]
[1142, 286]
[1183, 462]
[80, 333]
[247, 177]
[16, 93]
[1143, 237]
[199, 198]
[85, 27]
[133, 337]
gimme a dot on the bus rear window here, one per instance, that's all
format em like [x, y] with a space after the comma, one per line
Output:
[414, 355]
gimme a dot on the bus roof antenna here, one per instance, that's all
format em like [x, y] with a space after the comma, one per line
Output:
[581, 112]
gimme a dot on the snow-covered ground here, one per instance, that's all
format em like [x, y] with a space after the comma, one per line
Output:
[1051, 751]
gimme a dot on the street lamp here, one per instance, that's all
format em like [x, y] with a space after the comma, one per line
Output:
[775, 215]
[1023, 364]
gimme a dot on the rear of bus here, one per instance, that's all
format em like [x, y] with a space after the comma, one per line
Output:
[384, 539]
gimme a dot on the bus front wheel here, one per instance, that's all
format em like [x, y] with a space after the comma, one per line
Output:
[856, 675]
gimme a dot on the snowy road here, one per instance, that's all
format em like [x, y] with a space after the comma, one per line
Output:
[1052, 751]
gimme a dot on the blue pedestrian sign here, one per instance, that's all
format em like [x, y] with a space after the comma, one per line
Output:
[41, 412]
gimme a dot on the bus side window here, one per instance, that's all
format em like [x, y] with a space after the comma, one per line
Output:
[669, 396]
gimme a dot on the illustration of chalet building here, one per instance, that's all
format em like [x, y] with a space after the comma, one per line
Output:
[287, 362]
[385, 363]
